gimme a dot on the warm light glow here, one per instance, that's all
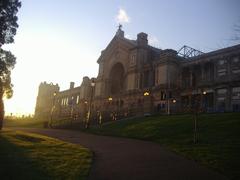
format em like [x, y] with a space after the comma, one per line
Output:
[146, 94]
[46, 55]
[204, 92]
[110, 99]
[174, 101]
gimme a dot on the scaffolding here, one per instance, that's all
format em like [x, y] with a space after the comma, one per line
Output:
[188, 52]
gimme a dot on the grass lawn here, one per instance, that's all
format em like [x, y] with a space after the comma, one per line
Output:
[219, 137]
[23, 122]
[31, 156]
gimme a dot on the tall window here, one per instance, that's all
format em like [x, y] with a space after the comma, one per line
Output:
[133, 60]
[163, 95]
[236, 93]
[77, 100]
[221, 99]
[222, 69]
[235, 65]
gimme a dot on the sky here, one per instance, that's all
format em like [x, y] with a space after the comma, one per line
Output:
[60, 41]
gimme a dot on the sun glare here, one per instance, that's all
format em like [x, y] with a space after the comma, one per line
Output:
[42, 57]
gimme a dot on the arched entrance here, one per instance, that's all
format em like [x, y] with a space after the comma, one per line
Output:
[116, 79]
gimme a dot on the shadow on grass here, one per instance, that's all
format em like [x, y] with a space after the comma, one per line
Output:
[31, 156]
[15, 164]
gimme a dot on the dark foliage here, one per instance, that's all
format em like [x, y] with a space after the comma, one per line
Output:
[8, 20]
[8, 29]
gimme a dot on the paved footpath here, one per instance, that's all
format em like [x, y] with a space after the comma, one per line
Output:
[130, 159]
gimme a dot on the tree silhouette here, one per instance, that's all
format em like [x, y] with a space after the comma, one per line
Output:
[8, 20]
[8, 29]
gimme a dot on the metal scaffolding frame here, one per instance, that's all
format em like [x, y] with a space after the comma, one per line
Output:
[188, 52]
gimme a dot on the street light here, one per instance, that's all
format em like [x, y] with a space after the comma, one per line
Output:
[90, 105]
[174, 101]
[146, 110]
[146, 93]
[110, 100]
[53, 107]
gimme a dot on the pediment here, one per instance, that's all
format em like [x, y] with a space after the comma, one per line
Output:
[115, 47]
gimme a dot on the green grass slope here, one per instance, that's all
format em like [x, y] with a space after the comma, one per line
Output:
[218, 144]
[31, 156]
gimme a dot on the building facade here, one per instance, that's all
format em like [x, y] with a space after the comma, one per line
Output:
[135, 78]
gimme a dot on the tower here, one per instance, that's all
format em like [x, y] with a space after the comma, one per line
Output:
[45, 100]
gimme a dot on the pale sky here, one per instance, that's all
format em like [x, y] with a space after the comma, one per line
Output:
[60, 40]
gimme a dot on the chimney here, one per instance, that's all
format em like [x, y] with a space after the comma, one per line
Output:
[71, 85]
[142, 39]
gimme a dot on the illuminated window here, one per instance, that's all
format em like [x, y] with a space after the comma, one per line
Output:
[77, 100]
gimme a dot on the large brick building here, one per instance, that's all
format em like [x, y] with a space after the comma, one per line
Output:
[135, 78]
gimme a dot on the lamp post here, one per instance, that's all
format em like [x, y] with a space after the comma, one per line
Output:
[90, 105]
[53, 107]
[146, 107]
[110, 100]
[204, 93]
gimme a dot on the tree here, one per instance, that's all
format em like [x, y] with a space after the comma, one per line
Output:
[8, 29]
[8, 20]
